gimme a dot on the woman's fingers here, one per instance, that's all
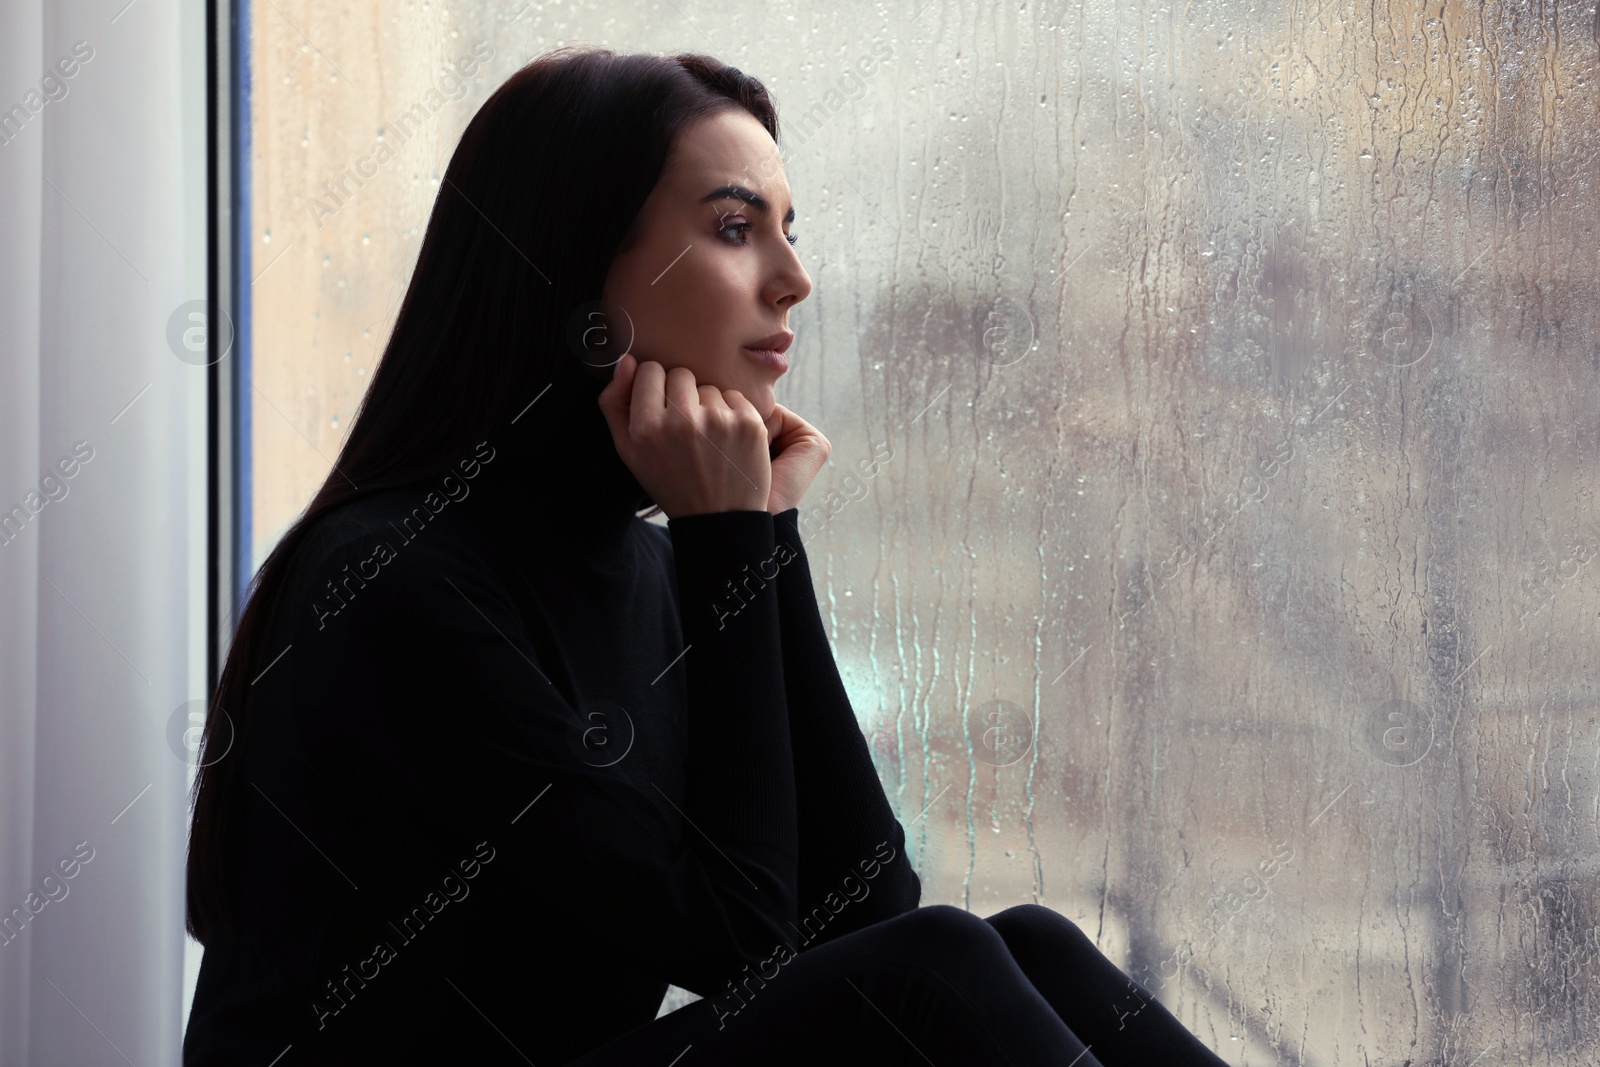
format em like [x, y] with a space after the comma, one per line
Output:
[798, 451]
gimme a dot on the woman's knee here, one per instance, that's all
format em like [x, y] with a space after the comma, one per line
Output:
[941, 933]
[1036, 922]
[944, 920]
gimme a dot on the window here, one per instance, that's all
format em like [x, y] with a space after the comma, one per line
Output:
[1212, 387]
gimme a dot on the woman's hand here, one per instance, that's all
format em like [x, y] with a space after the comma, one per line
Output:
[694, 449]
[798, 452]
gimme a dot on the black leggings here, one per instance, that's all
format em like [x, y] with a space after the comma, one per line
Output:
[935, 986]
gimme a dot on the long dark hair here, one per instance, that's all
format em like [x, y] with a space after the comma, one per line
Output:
[541, 194]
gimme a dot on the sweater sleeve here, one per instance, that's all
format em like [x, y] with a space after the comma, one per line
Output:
[852, 848]
[475, 734]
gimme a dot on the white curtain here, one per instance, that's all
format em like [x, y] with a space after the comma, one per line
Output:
[102, 460]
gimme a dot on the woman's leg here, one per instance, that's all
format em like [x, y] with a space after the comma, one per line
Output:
[1113, 1014]
[935, 986]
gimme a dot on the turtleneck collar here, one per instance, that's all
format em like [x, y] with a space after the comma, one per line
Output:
[556, 475]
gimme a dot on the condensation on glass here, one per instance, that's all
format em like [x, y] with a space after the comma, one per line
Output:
[1208, 540]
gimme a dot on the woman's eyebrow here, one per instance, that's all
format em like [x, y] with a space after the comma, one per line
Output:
[739, 192]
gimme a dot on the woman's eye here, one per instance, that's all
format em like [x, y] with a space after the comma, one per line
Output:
[742, 228]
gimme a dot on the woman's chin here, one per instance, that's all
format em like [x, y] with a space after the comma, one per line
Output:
[765, 403]
[761, 394]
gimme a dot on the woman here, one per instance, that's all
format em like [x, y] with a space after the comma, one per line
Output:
[492, 760]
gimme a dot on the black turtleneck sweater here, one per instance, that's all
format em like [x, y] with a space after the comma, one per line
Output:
[524, 759]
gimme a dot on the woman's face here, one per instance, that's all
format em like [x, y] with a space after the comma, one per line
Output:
[712, 272]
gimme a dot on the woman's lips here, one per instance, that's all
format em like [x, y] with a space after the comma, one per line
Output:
[769, 357]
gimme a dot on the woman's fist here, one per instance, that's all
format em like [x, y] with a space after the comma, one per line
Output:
[694, 448]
